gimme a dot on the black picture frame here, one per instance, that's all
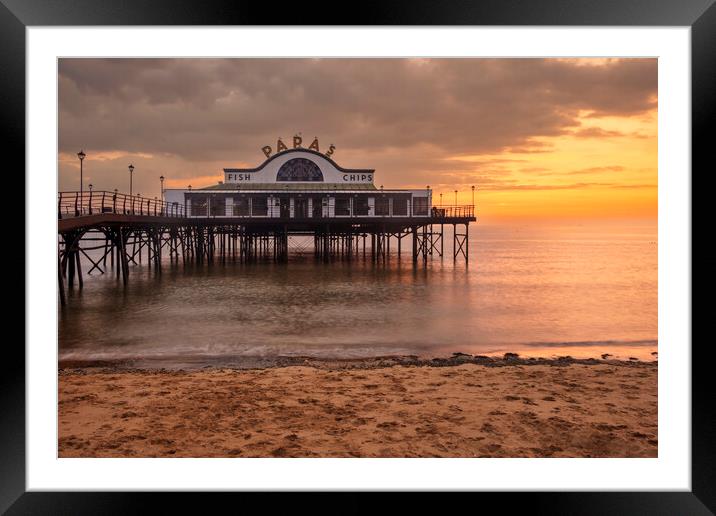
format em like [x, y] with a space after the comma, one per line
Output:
[700, 15]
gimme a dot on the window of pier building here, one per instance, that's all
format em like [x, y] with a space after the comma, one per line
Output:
[218, 206]
[343, 205]
[300, 207]
[382, 206]
[317, 204]
[241, 206]
[299, 169]
[400, 206]
[259, 206]
[199, 206]
[420, 205]
[360, 205]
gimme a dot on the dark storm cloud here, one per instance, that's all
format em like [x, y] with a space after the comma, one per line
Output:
[200, 108]
[200, 114]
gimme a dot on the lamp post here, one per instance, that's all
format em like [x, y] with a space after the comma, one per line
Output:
[473, 195]
[441, 199]
[161, 189]
[131, 169]
[455, 197]
[81, 154]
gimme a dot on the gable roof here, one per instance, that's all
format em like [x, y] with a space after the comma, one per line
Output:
[300, 149]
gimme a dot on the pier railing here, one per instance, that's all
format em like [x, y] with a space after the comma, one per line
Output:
[458, 211]
[76, 204]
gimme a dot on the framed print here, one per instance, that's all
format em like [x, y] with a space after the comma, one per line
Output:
[449, 255]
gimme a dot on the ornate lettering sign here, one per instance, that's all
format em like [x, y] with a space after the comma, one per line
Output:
[297, 142]
[297, 164]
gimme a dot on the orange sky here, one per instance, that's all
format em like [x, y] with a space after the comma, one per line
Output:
[596, 175]
[539, 138]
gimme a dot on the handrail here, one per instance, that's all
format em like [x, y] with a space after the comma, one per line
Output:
[457, 211]
[75, 204]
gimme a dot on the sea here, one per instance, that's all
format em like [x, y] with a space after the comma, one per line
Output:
[538, 290]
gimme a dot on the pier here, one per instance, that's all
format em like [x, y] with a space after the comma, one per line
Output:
[129, 230]
[252, 214]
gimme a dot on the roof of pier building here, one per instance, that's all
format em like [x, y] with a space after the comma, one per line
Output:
[273, 187]
[296, 169]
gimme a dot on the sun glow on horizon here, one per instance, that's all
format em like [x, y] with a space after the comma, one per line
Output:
[606, 168]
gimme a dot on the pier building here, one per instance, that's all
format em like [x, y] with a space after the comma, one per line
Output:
[296, 194]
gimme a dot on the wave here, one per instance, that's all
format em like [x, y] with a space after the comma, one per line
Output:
[592, 343]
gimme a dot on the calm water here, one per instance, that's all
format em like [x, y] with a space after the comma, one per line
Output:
[579, 291]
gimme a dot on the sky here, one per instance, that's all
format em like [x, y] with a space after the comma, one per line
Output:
[540, 139]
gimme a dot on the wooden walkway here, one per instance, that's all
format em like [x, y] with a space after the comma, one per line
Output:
[123, 230]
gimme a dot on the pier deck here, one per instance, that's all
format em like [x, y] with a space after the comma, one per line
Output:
[124, 228]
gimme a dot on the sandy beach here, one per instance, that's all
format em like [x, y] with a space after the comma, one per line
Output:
[501, 409]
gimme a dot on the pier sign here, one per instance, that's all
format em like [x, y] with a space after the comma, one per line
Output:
[297, 144]
[298, 164]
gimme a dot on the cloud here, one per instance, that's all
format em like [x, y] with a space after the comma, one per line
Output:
[196, 108]
[545, 171]
[406, 118]
[597, 132]
[533, 187]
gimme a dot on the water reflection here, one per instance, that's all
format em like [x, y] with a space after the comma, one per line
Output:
[533, 291]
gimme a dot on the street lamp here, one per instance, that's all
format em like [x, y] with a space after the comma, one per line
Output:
[131, 169]
[441, 199]
[190, 188]
[455, 197]
[473, 195]
[81, 154]
[161, 189]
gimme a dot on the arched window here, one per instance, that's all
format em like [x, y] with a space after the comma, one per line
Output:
[299, 169]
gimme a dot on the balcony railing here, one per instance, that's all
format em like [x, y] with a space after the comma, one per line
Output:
[460, 211]
[77, 204]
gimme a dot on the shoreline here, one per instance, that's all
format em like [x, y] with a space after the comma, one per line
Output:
[460, 406]
[246, 363]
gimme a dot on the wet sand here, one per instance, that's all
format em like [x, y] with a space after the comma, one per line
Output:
[460, 407]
